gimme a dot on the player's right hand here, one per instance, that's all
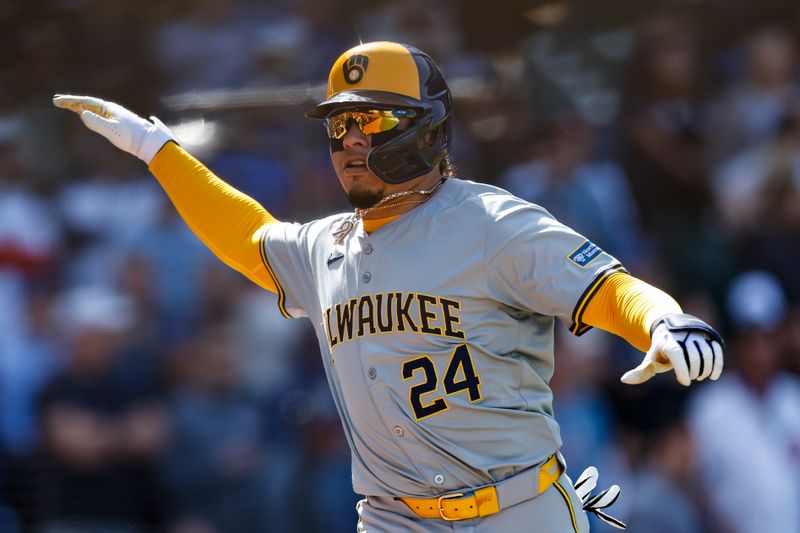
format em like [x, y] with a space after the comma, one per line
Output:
[126, 130]
[594, 504]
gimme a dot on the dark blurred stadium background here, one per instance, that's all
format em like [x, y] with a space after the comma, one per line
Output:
[146, 387]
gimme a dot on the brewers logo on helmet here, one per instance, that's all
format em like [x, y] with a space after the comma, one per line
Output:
[354, 69]
[385, 75]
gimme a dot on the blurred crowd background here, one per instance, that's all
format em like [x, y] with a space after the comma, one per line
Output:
[144, 386]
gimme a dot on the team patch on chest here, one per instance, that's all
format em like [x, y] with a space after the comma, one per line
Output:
[393, 312]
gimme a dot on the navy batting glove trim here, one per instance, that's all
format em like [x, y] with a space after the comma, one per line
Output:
[688, 323]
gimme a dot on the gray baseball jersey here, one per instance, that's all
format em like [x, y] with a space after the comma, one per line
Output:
[437, 332]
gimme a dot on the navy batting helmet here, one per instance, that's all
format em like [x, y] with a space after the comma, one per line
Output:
[387, 75]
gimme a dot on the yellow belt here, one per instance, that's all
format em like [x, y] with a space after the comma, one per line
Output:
[477, 502]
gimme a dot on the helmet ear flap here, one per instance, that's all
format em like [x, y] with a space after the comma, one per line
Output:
[441, 134]
[431, 137]
[403, 157]
[416, 151]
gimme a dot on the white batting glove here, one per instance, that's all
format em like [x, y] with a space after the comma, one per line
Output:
[593, 504]
[126, 130]
[682, 343]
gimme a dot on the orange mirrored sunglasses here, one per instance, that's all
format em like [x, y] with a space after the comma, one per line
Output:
[369, 122]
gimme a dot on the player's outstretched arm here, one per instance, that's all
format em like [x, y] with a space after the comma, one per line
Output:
[230, 223]
[653, 322]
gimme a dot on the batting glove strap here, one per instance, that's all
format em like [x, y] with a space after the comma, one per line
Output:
[677, 323]
[593, 504]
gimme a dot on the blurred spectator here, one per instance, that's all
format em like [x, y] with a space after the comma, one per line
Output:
[665, 129]
[136, 281]
[665, 126]
[590, 195]
[108, 40]
[752, 111]
[747, 426]
[212, 45]
[429, 26]
[662, 494]
[262, 177]
[584, 413]
[215, 470]
[114, 206]
[103, 214]
[99, 437]
[284, 36]
[29, 247]
[758, 194]
[308, 414]
[26, 366]
[178, 261]
[266, 343]
[29, 232]
[29, 244]
[793, 341]
[760, 186]
[8, 520]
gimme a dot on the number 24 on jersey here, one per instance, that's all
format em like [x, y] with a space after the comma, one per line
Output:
[459, 376]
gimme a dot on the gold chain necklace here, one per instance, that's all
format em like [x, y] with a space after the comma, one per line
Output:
[350, 222]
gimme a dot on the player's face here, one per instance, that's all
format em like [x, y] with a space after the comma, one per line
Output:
[363, 188]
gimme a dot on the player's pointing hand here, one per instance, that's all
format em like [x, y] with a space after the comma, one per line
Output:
[683, 343]
[126, 130]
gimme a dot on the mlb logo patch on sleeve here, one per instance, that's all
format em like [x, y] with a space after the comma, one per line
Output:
[585, 254]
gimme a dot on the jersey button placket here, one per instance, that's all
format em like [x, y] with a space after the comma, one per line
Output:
[366, 249]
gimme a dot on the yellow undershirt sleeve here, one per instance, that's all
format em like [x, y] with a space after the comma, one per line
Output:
[229, 222]
[627, 306]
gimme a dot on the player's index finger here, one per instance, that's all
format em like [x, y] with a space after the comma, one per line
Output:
[78, 104]
[679, 359]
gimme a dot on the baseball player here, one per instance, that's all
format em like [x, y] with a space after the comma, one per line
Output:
[433, 302]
